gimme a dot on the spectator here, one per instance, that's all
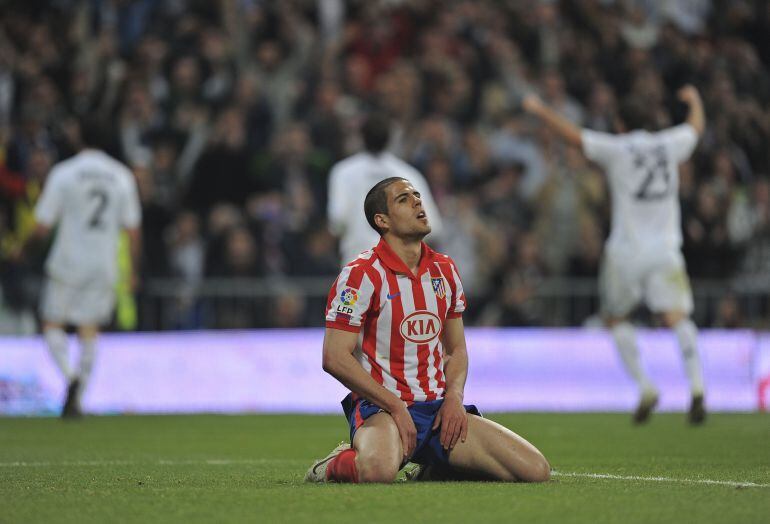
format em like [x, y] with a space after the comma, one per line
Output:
[248, 104]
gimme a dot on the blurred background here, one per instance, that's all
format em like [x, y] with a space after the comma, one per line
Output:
[231, 113]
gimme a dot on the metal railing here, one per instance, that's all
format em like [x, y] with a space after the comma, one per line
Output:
[289, 302]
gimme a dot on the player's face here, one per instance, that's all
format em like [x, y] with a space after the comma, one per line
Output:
[406, 216]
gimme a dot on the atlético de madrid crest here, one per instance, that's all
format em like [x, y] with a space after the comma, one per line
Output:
[438, 287]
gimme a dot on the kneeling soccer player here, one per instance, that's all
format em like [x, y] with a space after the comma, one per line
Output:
[395, 338]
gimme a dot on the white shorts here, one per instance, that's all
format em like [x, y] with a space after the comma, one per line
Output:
[86, 305]
[657, 278]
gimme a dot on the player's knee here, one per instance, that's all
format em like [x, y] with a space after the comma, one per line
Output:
[537, 469]
[376, 471]
[671, 318]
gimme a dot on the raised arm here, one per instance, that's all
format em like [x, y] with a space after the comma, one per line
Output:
[339, 362]
[563, 127]
[696, 116]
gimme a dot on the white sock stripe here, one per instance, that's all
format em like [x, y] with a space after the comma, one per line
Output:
[608, 476]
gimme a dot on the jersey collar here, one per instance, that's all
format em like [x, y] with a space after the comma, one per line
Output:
[393, 262]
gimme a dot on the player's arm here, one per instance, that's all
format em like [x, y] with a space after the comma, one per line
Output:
[563, 127]
[339, 362]
[135, 248]
[452, 417]
[39, 233]
[696, 116]
[48, 210]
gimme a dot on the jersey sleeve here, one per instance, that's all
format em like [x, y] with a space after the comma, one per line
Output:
[49, 207]
[681, 141]
[350, 299]
[131, 213]
[457, 307]
[599, 147]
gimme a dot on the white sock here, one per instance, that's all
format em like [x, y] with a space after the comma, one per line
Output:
[56, 340]
[624, 335]
[87, 355]
[687, 334]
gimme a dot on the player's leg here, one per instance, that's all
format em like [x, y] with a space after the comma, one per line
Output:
[670, 296]
[492, 450]
[378, 448]
[53, 308]
[620, 292]
[57, 344]
[87, 334]
[375, 456]
[92, 308]
[687, 336]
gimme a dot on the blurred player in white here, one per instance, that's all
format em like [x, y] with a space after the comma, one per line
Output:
[643, 259]
[350, 181]
[88, 200]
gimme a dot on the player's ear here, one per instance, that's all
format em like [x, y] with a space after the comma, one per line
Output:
[382, 221]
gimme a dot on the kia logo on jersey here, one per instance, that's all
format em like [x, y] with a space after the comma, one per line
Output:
[420, 327]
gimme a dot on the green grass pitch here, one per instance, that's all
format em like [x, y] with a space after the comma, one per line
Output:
[250, 469]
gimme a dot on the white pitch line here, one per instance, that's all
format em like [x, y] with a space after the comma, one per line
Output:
[230, 462]
[608, 476]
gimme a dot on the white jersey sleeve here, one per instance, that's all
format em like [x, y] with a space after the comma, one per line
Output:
[681, 141]
[601, 148]
[48, 210]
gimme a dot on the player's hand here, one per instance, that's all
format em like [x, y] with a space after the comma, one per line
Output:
[531, 103]
[406, 429]
[453, 421]
[688, 94]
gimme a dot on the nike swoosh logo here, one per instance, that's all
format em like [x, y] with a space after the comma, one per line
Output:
[394, 295]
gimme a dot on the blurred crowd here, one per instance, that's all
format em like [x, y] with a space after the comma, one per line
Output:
[231, 113]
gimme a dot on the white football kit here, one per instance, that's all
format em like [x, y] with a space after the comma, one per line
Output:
[349, 182]
[89, 198]
[643, 259]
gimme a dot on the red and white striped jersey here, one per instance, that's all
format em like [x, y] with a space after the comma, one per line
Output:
[399, 317]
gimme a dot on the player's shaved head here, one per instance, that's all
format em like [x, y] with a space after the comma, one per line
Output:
[376, 201]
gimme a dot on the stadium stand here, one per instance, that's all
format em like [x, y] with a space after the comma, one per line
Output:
[232, 112]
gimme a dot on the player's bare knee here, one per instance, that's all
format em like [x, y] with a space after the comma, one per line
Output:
[539, 470]
[376, 470]
[672, 318]
[536, 469]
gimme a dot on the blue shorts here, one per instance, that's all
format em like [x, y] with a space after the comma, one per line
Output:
[428, 450]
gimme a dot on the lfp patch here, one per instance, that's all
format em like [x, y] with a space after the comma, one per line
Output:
[438, 287]
[349, 296]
